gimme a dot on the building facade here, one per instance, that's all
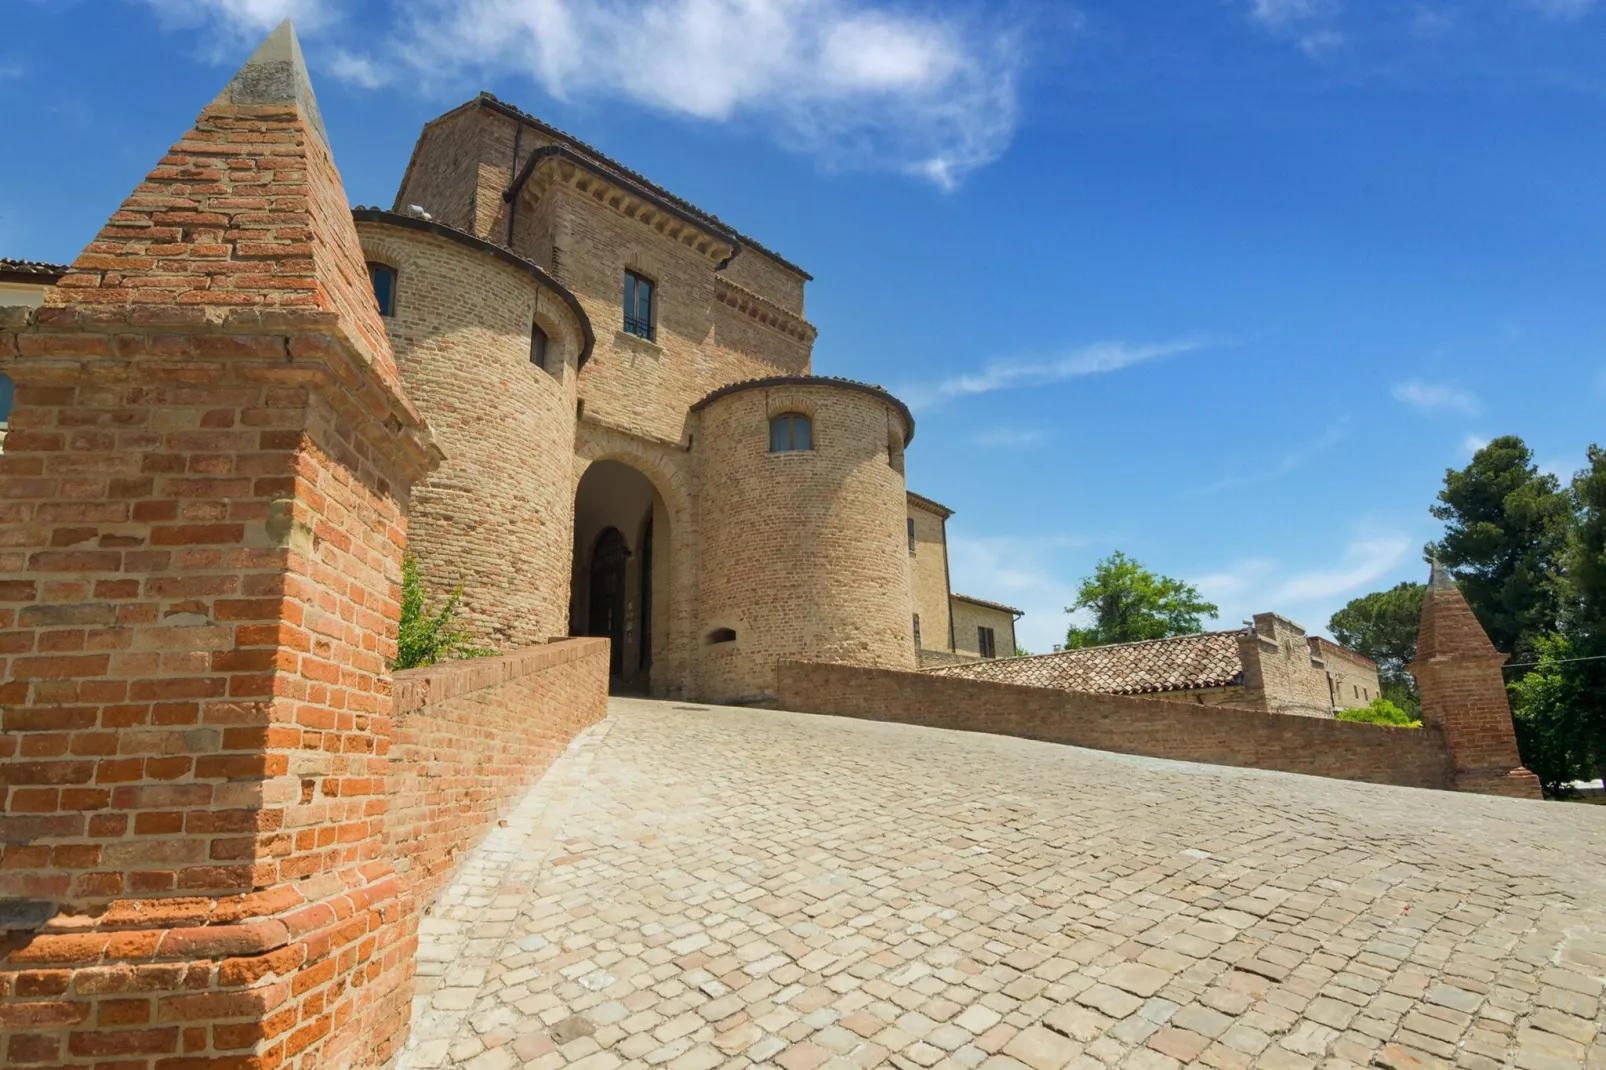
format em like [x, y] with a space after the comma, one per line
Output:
[636, 446]
[1271, 666]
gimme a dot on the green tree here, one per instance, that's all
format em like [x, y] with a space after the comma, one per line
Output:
[1382, 625]
[1505, 532]
[426, 637]
[1584, 616]
[1129, 603]
[1552, 717]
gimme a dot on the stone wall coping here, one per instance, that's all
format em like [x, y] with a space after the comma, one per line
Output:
[815, 381]
[414, 689]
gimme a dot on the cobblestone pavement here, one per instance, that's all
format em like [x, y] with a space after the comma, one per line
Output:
[696, 887]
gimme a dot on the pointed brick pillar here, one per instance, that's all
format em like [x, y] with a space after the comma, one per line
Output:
[1463, 692]
[202, 516]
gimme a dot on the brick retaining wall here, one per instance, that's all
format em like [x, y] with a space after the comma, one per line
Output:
[471, 736]
[1220, 736]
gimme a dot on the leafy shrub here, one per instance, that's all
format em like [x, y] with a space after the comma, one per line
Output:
[425, 637]
[1380, 711]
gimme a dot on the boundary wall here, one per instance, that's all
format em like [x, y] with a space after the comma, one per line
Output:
[1156, 729]
[472, 737]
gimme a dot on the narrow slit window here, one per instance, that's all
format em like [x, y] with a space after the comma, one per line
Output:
[911, 521]
[917, 631]
[639, 293]
[791, 432]
[383, 278]
[538, 344]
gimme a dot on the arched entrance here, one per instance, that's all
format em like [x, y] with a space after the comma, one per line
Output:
[621, 575]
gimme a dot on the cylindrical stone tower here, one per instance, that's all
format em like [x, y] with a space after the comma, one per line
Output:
[804, 544]
[496, 518]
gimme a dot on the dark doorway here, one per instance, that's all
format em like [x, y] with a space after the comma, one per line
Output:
[607, 616]
[644, 658]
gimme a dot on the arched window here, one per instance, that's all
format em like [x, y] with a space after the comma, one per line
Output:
[537, 346]
[383, 277]
[791, 432]
[721, 635]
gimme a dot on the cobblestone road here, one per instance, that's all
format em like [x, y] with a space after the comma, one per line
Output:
[694, 888]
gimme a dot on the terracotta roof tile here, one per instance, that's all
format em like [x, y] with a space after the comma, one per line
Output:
[16, 270]
[1182, 663]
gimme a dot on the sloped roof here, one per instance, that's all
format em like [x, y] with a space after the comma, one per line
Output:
[985, 604]
[30, 271]
[1182, 663]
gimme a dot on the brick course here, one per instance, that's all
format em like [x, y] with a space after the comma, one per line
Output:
[1157, 729]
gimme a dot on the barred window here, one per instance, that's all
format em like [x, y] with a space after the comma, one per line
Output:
[638, 305]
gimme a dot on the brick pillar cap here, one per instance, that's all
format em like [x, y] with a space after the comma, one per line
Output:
[276, 73]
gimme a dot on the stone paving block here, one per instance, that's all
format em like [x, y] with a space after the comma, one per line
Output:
[721, 889]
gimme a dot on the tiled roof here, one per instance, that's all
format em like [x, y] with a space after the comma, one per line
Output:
[1182, 663]
[30, 270]
[989, 605]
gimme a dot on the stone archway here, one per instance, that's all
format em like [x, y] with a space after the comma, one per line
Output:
[621, 589]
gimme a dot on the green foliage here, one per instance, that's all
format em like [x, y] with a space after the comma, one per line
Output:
[1584, 614]
[1382, 625]
[1506, 526]
[1130, 603]
[1380, 711]
[426, 637]
[1552, 718]
[1022, 652]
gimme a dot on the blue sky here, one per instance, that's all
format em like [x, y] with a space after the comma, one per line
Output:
[1225, 284]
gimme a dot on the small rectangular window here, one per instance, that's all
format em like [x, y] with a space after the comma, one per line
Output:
[917, 631]
[911, 534]
[384, 283]
[538, 342]
[638, 305]
[985, 642]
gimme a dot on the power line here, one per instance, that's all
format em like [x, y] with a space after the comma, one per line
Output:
[1554, 661]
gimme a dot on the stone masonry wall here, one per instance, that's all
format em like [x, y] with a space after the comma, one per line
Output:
[1354, 677]
[1279, 673]
[471, 736]
[809, 554]
[928, 576]
[1372, 753]
[968, 616]
[496, 518]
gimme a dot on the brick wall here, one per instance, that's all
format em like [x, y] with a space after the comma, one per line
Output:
[1413, 758]
[968, 616]
[809, 556]
[928, 575]
[471, 737]
[496, 518]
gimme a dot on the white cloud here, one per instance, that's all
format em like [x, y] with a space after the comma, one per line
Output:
[358, 70]
[1473, 443]
[1560, 10]
[1011, 438]
[10, 70]
[238, 20]
[1308, 595]
[1018, 374]
[1437, 396]
[858, 83]
[1308, 23]
[1022, 571]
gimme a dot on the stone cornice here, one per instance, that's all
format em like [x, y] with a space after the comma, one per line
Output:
[763, 310]
[554, 164]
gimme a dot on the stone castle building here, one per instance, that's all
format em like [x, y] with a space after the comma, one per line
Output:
[1269, 665]
[636, 446]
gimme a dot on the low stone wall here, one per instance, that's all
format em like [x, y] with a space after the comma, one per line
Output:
[1219, 735]
[471, 736]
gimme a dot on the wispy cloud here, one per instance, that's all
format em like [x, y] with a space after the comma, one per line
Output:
[1264, 469]
[1560, 10]
[1011, 438]
[859, 83]
[1311, 24]
[1022, 571]
[10, 70]
[1432, 397]
[1473, 443]
[1020, 374]
[1310, 595]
